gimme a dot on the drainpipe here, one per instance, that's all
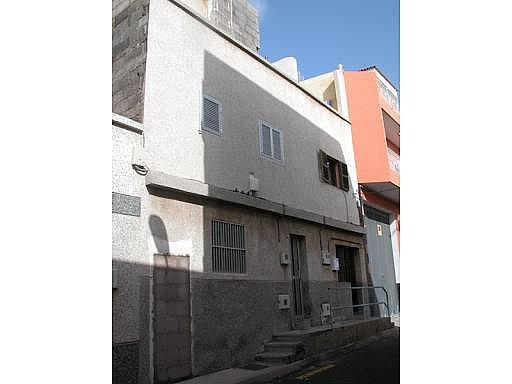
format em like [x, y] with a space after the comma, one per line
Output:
[365, 249]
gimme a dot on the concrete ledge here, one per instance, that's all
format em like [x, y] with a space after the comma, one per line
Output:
[174, 183]
[126, 123]
[343, 225]
[304, 215]
[250, 201]
[164, 181]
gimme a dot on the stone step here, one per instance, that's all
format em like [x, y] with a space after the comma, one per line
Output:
[276, 357]
[302, 324]
[286, 337]
[284, 346]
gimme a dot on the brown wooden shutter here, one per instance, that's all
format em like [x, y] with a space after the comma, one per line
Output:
[324, 172]
[345, 183]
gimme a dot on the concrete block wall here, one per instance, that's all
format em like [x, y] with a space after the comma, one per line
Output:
[172, 340]
[237, 18]
[246, 24]
[129, 49]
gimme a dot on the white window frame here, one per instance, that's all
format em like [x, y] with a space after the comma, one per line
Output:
[264, 155]
[221, 117]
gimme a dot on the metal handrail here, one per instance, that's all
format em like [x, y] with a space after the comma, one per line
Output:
[363, 305]
[386, 304]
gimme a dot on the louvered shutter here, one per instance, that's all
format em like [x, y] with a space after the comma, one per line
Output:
[324, 167]
[345, 184]
[211, 115]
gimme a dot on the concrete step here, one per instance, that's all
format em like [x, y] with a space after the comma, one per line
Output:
[302, 324]
[284, 346]
[276, 357]
[286, 337]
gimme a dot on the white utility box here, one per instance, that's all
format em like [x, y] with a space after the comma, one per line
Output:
[325, 313]
[326, 258]
[326, 309]
[284, 258]
[254, 183]
[335, 264]
[284, 301]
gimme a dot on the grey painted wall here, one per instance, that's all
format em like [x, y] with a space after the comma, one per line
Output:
[232, 315]
[249, 91]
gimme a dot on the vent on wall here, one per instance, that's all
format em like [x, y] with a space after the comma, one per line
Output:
[212, 115]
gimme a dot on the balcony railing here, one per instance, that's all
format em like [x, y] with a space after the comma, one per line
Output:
[390, 98]
[394, 160]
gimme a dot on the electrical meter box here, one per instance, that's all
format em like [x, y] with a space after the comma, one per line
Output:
[335, 264]
[326, 258]
[326, 309]
[284, 258]
[284, 301]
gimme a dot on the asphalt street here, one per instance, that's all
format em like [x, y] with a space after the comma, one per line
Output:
[375, 363]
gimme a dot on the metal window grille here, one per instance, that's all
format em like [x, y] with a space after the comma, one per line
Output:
[211, 115]
[228, 247]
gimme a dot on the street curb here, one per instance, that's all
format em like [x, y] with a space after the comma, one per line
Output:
[281, 371]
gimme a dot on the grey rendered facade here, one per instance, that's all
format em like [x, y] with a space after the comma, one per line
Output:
[177, 312]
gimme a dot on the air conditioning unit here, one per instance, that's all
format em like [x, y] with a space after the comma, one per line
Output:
[284, 258]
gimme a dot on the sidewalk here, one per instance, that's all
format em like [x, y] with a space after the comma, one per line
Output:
[247, 376]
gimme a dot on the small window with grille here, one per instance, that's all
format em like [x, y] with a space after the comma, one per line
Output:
[211, 120]
[333, 171]
[228, 247]
[271, 142]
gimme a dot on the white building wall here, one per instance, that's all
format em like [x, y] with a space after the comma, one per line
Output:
[185, 57]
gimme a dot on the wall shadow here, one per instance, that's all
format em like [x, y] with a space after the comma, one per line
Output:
[297, 183]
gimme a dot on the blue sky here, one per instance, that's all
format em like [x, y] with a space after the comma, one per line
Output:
[324, 33]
